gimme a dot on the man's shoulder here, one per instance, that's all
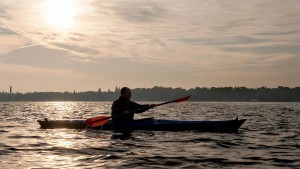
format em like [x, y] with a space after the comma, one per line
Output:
[118, 101]
[134, 103]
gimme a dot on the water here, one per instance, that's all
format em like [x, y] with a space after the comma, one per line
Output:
[268, 139]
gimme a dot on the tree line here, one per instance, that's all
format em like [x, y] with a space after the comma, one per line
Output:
[233, 94]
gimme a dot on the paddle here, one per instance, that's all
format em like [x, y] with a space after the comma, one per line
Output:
[100, 120]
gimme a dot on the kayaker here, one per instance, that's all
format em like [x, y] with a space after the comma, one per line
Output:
[123, 109]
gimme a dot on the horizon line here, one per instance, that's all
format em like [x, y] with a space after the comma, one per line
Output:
[109, 90]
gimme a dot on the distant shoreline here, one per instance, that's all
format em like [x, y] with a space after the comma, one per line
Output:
[214, 94]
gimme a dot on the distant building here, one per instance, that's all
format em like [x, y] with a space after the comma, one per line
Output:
[10, 90]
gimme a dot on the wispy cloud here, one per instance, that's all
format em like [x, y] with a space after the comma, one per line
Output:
[262, 50]
[133, 28]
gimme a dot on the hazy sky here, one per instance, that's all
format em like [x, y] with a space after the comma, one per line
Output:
[66, 45]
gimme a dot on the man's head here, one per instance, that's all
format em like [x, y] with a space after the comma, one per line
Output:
[126, 93]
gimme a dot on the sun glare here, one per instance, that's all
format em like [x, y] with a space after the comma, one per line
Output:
[60, 13]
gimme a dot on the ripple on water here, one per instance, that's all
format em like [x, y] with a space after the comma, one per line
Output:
[268, 139]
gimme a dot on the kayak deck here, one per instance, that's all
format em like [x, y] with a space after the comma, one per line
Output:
[150, 124]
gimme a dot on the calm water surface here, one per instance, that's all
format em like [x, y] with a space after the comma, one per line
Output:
[269, 138]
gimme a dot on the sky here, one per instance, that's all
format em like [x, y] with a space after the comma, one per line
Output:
[67, 45]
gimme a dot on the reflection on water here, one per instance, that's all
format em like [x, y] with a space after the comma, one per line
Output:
[268, 139]
[122, 136]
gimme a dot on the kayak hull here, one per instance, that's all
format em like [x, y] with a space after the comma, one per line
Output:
[149, 124]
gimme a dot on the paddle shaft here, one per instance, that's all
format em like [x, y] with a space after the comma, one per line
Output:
[160, 104]
[165, 103]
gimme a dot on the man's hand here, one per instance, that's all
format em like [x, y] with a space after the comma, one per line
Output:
[152, 105]
[126, 112]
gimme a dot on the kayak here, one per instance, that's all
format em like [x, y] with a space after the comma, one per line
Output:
[149, 124]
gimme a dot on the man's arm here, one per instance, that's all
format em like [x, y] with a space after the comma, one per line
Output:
[140, 108]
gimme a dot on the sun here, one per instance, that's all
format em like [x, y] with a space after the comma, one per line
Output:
[60, 13]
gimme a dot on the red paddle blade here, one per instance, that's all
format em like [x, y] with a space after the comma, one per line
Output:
[182, 99]
[96, 121]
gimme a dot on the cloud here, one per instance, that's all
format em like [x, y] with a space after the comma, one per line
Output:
[77, 49]
[3, 11]
[10, 42]
[5, 31]
[38, 57]
[282, 32]
[238, 40]
[139, 11]
[263, 50]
